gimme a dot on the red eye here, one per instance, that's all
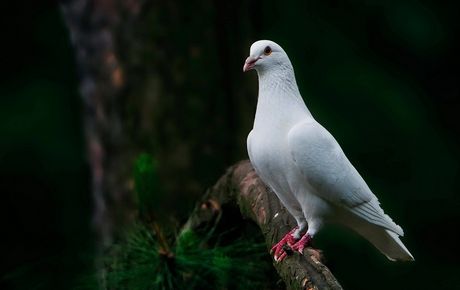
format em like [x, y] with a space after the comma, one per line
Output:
[267, 50]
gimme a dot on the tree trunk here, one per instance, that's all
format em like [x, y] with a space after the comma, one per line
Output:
[241, 187]
[164, 78]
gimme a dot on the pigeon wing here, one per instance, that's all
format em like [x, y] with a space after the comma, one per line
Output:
[328, 171]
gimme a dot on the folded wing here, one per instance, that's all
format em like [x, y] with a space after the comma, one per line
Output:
[326, 168]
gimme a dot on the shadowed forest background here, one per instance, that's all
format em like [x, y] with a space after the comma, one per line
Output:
[88, 86]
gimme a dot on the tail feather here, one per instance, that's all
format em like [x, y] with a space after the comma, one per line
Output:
[387, 241]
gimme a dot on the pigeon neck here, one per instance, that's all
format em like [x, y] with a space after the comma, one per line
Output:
[279, 95]
[278, 82]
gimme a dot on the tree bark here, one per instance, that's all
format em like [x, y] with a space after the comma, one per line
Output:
[241, 187]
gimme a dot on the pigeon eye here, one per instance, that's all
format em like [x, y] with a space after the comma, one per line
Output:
[267, 50]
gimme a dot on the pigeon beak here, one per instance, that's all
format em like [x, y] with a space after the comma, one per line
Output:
[250, 62]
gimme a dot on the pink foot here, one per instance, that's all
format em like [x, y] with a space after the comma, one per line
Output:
[278, 248]
[300, 245]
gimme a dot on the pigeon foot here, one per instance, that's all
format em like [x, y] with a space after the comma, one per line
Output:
[280, 253]
[301, 244]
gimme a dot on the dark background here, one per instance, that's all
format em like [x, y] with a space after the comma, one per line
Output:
[381, 76]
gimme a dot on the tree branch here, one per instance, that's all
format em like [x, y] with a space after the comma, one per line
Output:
[241, 186]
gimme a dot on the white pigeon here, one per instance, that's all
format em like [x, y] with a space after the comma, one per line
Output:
[305, 166]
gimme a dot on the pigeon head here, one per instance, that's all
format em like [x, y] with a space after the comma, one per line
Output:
[265, 54]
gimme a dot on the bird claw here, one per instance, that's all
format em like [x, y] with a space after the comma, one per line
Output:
[300, 245]
[278, 260]
[280, 253]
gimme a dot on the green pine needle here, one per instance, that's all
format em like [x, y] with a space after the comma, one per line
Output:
[137, 264]
[206, 260]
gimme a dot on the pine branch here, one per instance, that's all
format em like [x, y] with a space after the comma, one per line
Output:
[241, 187]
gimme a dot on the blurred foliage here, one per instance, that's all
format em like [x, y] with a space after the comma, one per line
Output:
[139, 263]
[143, 259]
[146, 183]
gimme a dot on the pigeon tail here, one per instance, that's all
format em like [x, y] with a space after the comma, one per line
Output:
[387, 241]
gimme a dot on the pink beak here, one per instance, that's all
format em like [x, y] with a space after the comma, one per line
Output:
[250, 62]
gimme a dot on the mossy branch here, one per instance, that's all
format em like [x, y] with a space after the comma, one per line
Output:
[241, 187]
